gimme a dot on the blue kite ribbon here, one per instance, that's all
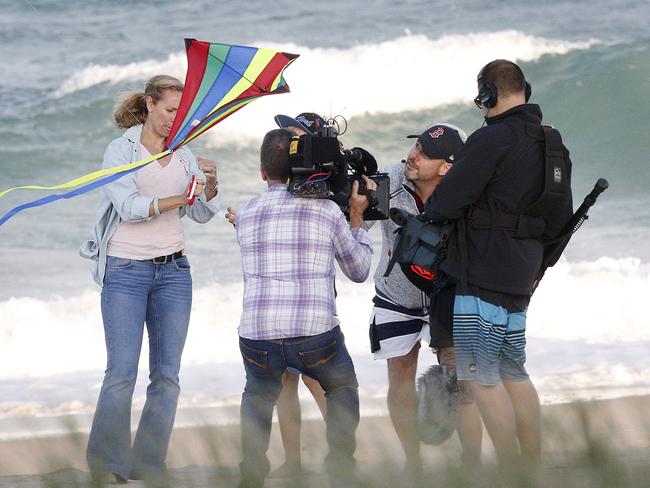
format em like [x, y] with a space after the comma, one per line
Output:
[53, 198]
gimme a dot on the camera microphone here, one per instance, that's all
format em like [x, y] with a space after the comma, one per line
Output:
[353, 155]
[361, 160]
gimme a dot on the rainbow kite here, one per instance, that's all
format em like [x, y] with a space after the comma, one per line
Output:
[220, 80]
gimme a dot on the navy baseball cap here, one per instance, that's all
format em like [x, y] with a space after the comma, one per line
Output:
[440, 142]
[307, 121]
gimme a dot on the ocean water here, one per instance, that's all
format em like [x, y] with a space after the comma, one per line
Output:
[390, 68]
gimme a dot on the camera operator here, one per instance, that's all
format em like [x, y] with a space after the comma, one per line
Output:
[288, 404]
[288, 247]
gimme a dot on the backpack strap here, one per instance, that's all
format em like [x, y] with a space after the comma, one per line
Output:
[397, 250]
[523, 226]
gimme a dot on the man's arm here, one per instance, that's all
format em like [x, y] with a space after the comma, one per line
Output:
[353, 250]
[468, 177]
[352, 245]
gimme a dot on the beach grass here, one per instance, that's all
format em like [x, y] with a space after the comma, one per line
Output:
[586, 444]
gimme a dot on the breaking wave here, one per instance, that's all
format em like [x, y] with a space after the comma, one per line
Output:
[412, 72]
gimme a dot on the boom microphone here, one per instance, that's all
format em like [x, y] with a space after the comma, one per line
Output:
[554, 249]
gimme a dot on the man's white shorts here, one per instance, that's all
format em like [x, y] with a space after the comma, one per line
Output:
[394, 330]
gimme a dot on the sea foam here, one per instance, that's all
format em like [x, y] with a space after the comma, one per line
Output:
[598, 302]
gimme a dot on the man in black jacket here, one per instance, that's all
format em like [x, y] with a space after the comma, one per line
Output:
[496, 252]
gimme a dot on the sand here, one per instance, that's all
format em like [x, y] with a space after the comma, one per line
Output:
[595, 443]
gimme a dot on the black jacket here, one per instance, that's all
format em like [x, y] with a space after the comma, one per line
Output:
[496, 260]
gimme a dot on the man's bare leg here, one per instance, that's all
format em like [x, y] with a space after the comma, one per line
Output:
[402, 405]
[470, 433]
[525, 402]
[468, 420]
[317, 392]
[499, 418]
[289, 419]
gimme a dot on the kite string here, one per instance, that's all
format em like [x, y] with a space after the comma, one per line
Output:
[111, 91]
[68, 184]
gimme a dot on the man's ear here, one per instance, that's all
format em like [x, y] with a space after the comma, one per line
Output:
[263, 173]
[444, 167]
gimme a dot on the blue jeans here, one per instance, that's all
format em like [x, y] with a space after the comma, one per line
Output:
[136, 292]
[323, 357]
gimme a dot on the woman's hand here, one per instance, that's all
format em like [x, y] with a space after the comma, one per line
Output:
[209, 168]
[200, 184]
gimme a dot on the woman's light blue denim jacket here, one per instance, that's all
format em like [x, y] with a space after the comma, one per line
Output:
[120, 201]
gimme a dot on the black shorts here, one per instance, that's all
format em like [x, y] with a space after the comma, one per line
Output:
[441, 316]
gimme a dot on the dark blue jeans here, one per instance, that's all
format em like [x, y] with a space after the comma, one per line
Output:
[323, 357]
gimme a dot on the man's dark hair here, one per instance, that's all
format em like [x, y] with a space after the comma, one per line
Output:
[274, 154]
[505, 75]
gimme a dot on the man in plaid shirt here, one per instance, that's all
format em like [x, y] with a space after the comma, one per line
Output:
[288, 248]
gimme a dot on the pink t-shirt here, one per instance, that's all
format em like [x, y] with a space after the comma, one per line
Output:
[161, 234]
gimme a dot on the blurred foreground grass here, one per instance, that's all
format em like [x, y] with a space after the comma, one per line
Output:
[586, 444]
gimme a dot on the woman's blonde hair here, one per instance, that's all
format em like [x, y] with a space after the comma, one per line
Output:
[132, 109]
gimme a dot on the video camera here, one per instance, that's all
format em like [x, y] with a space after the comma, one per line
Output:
[320, 168]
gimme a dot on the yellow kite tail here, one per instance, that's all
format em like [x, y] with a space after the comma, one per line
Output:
[90, 176]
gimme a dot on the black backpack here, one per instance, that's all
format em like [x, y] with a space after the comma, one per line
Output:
[418, 249]
[532, 221]
[557, 173]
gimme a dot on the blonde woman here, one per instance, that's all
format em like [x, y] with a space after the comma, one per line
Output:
[139, 260]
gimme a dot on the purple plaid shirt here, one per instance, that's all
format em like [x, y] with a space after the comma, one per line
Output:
[288, 246]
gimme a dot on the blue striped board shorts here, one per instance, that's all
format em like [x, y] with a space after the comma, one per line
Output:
[490, 341]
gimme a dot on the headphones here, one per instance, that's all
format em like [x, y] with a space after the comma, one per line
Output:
[487, 92]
